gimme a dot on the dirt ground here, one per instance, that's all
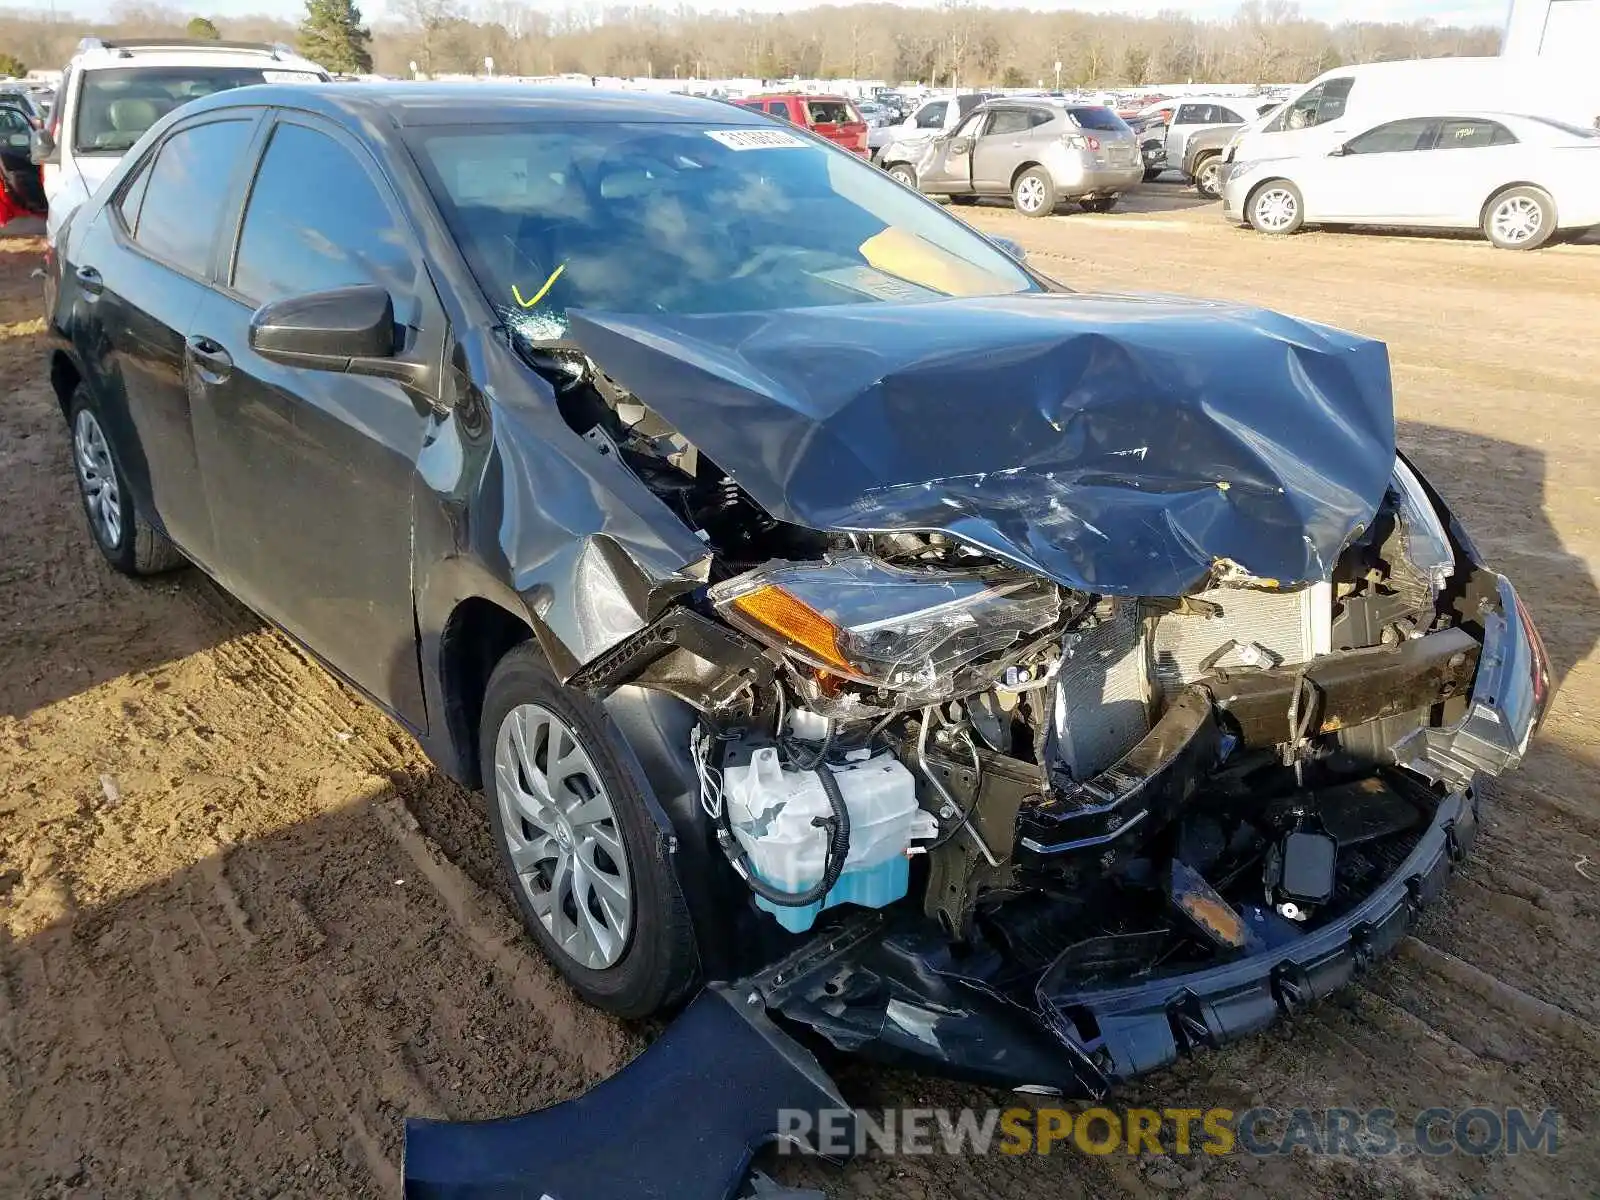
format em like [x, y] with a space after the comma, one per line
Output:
[245, 928]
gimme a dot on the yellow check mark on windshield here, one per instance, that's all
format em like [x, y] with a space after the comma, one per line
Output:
[539, 295]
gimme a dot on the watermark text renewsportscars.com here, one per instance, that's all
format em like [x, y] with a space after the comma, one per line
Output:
[1476, 1131]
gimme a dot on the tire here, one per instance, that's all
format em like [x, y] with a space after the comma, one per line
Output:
[1208, 177]
[1520, 218]
[630, 950]
[1276, 207]
[1151, 174]
[119, 528]
[905, 173]
[1034, 193]
[1102, 204]
[966, 199]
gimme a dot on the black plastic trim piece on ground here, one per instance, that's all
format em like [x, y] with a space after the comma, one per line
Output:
[680, 1122]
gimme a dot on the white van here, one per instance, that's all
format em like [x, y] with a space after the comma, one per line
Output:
[1341, 103]
[113, 91]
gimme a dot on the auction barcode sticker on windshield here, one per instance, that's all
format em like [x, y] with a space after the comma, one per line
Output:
[754, 139]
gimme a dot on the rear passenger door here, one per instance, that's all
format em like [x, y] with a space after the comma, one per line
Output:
[1469, 160]
[1004, 145]
[143, 270]
[310, 473]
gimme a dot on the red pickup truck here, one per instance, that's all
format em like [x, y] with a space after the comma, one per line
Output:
[832, 117]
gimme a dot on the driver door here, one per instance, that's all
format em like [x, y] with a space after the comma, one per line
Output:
[1375, 177]
[947, 166]
[310, 473]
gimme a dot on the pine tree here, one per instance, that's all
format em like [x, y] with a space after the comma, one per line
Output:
[333, 36]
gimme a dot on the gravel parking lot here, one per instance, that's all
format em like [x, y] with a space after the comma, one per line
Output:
[245, 928]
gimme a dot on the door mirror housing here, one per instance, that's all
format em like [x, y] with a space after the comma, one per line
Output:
[960, 145]
[42, 149]
[1339, 151]
[350, 330]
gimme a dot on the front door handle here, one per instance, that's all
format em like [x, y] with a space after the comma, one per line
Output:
[89, 281]
[215, 363]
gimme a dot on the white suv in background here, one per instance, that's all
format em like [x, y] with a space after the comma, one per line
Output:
[112, 91]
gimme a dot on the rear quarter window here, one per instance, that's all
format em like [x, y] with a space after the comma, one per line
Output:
[1100, 118]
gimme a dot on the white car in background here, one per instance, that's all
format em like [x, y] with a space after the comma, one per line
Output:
[1522, 180]
[112, 91]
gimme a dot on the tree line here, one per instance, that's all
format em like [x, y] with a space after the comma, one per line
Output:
[957, 43]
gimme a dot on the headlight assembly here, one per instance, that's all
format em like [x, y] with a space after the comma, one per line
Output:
[907, 631]
[1427, 545]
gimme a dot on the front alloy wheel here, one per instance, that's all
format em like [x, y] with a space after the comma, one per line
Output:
[588, 864]
[561, 836]
[1276, 208]
[1208, 179]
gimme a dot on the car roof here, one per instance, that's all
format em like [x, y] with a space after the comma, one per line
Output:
[409, 105]
[95, 54]
[795, 96]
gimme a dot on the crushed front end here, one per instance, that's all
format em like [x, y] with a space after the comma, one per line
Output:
[1052, 710]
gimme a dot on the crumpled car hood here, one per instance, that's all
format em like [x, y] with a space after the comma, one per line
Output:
[1123, 445]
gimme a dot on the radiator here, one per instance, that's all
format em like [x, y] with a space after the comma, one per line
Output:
[1106, 686]
[1292, 627]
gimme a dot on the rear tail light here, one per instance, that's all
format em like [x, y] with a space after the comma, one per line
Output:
[1082, 141]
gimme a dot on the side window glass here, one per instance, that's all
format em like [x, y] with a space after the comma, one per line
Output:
[1039, 117]
[969, 127]
[778, 108]
[1225, 116]
[1394, 138]
[1008, 121]
[299, 238]
[133, 196]
[1473, 135]
[1190, 114]
[932, 116]
[187, 189]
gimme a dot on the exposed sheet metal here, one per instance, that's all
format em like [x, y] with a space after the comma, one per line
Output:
[1118, 444]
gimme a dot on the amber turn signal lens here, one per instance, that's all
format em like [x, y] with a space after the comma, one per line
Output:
[796, 622]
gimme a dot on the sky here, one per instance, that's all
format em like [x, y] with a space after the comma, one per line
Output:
[1444, 12]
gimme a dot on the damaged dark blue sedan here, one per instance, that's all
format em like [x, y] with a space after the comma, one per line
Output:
[843, 622]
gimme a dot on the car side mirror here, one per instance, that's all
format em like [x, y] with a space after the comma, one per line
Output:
[350, 330]
[1011, 248]
[42, 148]
[1339, 152]
[960, 145]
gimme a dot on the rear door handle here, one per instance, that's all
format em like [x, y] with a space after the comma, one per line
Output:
[89, 281]
[215, 363]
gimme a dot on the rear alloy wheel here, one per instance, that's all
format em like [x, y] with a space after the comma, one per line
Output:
[1523, 218]
[1276, 208]
[1208, 177]
[583, 856]
[905, 173]
[1034, 193]
[128, 540]
[1101, 204]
